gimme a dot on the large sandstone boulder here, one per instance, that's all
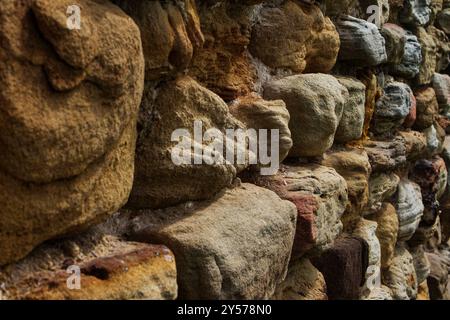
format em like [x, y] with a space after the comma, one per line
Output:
[67, 130]
[161, 178]
[429, 52]
[315, 103]
[382, 186]
[443, 47]
[361, 42]
[427, 107]
[310, 42]
[395, 39]
[236, 246]
[386, 155]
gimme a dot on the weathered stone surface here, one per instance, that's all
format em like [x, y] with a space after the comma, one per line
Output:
[366, 229]
[373, 92]
[443, 20]
[412, 116]
[361, 42]
[421, 263]
[110, 268]
[69, 102]
[344, 266]
[170, 34]
[315, 103]
[310, 42]
[415, 12]
[441, 85]
[353, 165]
[427, 107]
[387, 231]
[385, 155]
[303, 282]
[422, 292]
[401, 277]
[159, 182]
[412, 58]
[415, 144]
[236, 246]
[124, 275]
[443, 47]
[320, 195]
[395, 38]
[435, 136]
[382, 186]
[438, 278]
[351, 125]
[429, 52]
[223, 64]
[392, 108]
[409, 208]
[257, 113]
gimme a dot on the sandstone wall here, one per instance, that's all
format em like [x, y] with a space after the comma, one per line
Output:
[359, 208]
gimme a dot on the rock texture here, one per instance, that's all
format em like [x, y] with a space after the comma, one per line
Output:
[409, 209]
[259, 239]
[311, 42]
[427, 108]
[315, 103]
[69, 103]
[361, 42]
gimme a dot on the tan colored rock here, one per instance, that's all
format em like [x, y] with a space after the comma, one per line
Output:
[422, 292]
[303, 282]
[159, 181]
[257, 113]
[415, 144]
[223, 64]
[427, 107]
[310, 42]
[236, 246]
[170, 34]
[443, 47]
[386, 232]
[429, 52]
[353, 165]
[382, 186]
[69, 127]
[401, 277]
[315, 103]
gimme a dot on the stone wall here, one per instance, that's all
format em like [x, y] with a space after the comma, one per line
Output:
[93, 205]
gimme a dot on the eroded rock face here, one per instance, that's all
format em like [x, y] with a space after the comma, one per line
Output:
[382, 186]
[429, 51]
[415, 144]
[409, 66]
[443, 48]
[310, 42]
[351, 125]
[415, 12]
[303, 282]
[409, 208]
[353, 165]
[257, 113]
[395, 38]
[223, 64]
[401, 277]
[159, 182]
[344, 267]
[257, 226]
[170, 34]
[392, 108]
[320, 195]
[361, 42]
[385, 155]
[427, 108]
[441, 85]
[421, 263]
[70, 101]
[438, 278]
[315, 103]
[386, 232]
